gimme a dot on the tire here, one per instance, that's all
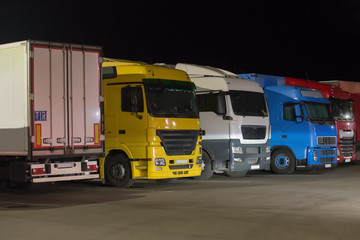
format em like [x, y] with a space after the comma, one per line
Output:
[282, 162]
[118, 171]
[166, 180]
[236, 174]
[207, 170]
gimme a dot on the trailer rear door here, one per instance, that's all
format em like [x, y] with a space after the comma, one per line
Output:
[66, 90]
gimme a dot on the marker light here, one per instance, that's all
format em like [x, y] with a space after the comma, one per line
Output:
[91, 168]
[37, 171]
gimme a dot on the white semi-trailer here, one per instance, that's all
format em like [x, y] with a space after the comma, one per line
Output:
[234, 115]
[50, 125]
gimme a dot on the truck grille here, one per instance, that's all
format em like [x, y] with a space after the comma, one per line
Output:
[187, 166]
[327, 159]
[178, 142]
[326, 152]
[253, 132]
[326, 141]
[347, 147]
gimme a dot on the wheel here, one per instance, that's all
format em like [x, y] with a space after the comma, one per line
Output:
[282, 162]
[206, 169]
[118, 171]
[166, 180]
[236, 174]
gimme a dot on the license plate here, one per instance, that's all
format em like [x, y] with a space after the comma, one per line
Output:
[253, 167]
[327, 165]
[181, 161]
[347, 160]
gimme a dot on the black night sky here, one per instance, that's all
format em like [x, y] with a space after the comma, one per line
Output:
[287, 38]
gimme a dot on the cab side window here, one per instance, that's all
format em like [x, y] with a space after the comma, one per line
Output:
[207, 102]
[289, 112]
[132, 99]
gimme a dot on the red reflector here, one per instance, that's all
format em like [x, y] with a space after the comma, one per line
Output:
[37, 171]
[91, 167]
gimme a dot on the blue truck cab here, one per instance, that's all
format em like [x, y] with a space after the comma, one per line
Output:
[303, 132]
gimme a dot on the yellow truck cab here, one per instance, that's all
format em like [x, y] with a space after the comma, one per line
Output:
[151, 124]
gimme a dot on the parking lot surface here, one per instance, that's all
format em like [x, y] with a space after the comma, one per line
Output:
[316, 205]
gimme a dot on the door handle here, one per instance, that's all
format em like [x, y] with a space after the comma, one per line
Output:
[283, 136]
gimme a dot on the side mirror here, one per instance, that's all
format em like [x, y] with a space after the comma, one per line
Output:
[221, 105]
[298, 115]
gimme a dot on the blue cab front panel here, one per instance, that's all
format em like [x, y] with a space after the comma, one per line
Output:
[300, 137]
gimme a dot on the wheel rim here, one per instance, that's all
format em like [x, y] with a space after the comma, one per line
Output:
[118, 171]
[282, 161]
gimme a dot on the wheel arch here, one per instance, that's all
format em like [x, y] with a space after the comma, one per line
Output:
[275, 148]
[110, 154]
[211, 156]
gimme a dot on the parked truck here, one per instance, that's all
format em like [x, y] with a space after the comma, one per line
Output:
[152, 125]
[51, 112]
[234, 116]
[354, 89]
[303, 133]
[341, 109]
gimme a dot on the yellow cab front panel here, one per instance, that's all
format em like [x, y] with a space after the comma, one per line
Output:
[157, 147]
[167, 138]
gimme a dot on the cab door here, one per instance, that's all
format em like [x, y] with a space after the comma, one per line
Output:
[126, 118]
[294, 133]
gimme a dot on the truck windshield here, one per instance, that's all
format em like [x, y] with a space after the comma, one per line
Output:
[170, 98]
[319, 112]
[248, 103]
[342, 109]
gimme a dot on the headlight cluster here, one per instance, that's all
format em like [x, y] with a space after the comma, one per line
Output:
[315, 156]
[199, 160]
[160, 162]
[267, 149]
[237, 150]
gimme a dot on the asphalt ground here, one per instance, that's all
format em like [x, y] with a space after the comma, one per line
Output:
[262, 205]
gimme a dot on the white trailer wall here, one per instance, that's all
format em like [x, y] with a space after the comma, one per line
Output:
[14, 122]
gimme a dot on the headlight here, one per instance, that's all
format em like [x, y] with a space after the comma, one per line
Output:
[237, 150]
[267, 149]
[199, 160]
[160, 162]
[315, 156]
[238, 159]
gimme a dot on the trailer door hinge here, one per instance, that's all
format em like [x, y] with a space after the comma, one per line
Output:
[31, 96]
[101, 98]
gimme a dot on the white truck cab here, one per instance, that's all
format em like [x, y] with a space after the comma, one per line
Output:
[234, 115]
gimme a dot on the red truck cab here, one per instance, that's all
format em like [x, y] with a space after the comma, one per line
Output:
[342, 110]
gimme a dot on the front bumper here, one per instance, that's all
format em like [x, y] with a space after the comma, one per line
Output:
[316, 166]
[253, 156]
